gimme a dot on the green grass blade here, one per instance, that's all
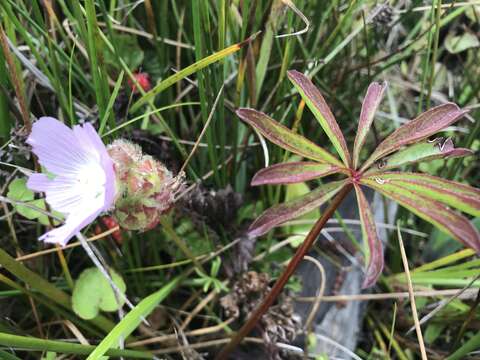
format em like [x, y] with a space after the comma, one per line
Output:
[219, 55]
[35, 344]
[5, 120]
[108, 110]
[98, 75]
[45, 288]
[7, 356]
[130, 322]
[472, 344]
[135, 119]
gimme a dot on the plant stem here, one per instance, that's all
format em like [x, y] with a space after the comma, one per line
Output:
[35, 344]
[282, 280]
[16, 81]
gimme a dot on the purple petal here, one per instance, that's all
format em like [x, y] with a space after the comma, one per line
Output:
[110, 187]
[56, 146]
[94, 138]
[64, 151]
[73, 225]
[90, 140]
[62, 193]
[38, 182]
[84, 179]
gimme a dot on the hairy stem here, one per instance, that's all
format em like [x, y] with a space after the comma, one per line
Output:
[282, 280]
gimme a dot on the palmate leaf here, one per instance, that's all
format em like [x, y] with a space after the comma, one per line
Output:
[374, 255]
[424, 195]
[451, 193]
[423, 151]
[423, 126]
[281, 213]
[447, 220]
[293, 172]
[285, 138]
[369, 107]
[317, 105]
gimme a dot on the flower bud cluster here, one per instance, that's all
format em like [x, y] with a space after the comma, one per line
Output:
[146, 189]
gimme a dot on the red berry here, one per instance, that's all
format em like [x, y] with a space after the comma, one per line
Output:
[143, 80]
[97, 230]
[110, 223]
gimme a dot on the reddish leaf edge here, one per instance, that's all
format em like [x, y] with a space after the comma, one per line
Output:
[307, 89]
[271, 175]
[371, 239]
[386, 147]
[311, 150]
[281, 213]
[460, 196]
[431, 211]
[370, 104]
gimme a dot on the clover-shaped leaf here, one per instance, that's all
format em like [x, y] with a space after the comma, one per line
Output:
[93, 293]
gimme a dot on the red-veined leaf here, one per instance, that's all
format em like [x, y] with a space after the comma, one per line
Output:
[284, 137]
[374, 255]
[423, 151]
[452, 193]
[369, 107]
[293, 172]
[447, 220]
[281, 213]
[317, 104]
[424, 125]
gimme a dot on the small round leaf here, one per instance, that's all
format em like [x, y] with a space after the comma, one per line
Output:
[92, 293]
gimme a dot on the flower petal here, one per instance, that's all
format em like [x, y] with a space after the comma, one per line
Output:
[83, 184]
[38, 182]
[62, 234]
[89, 138]
[56, 147]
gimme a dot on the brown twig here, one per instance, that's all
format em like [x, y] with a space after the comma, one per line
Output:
[282, 280]
[15, 81]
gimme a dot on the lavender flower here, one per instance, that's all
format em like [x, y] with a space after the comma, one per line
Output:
[83, 183]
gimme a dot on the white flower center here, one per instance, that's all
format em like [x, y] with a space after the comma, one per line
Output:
[91, 184]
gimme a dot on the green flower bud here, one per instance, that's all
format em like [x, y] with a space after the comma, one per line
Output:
[146, 188]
